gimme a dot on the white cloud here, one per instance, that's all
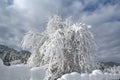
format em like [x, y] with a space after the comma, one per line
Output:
[108, 40]
[23, 15]
[101, 15]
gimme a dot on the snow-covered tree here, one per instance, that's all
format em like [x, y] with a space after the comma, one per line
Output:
[112, 69]
[62, 48]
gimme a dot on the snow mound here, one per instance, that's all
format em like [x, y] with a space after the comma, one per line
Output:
[67, 77]
[95, 75]
[37, 73]
[19, 72]
[76, 75]
[84, 76]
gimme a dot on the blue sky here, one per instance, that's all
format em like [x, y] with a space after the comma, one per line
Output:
[19, 16]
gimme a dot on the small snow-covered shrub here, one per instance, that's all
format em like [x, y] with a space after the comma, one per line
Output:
[114, 69]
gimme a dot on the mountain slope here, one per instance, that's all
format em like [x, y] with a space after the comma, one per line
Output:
[12, 56]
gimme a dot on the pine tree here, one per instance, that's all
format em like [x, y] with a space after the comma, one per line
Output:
[62, 48]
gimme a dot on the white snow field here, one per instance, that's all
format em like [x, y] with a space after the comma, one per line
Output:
[22, 72]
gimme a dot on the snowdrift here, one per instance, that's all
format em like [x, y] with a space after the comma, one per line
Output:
[22, 72]
[95, 75]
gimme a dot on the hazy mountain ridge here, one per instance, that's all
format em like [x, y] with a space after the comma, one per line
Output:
[12, 56]
[110, 64]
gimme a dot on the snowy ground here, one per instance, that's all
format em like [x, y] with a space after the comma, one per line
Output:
[22, 72]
